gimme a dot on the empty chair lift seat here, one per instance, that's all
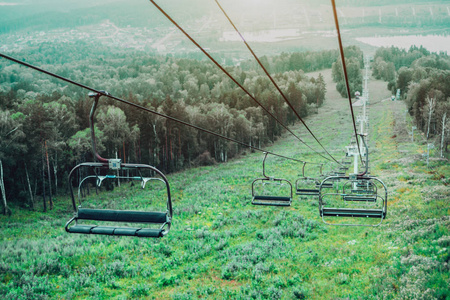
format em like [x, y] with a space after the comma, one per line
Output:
[325, 185]
[271, 200]
[354, 213]
[106, 215]
[367, 198]
[307, 192]
[363, 192]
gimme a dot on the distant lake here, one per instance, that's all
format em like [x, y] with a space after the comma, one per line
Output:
[433, 43]
[263, 36]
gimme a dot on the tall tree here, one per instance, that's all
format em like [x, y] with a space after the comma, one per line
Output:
[431, 104]
[113, 122]
[444, 125]
[6, 209]
[11, 148]
[39, 128]
[354, 75]
[442, 115]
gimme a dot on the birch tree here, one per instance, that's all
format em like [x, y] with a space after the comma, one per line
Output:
[431, 104]
[11, 146]
[6, 209]
[113, 122]
[444, 117]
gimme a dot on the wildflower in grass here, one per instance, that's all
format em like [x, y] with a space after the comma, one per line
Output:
[444, 241]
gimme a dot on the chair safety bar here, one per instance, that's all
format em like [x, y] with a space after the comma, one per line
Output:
[143, 180]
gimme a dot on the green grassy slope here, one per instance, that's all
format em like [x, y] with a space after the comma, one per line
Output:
[222, 247]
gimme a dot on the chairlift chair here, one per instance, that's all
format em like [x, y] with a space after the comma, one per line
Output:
[352, 204]
[362, 196]
[306, 186]
[341, 171]
[360, 190]
[327, 185]
[162, 218]
[346, 162]
[271, 200]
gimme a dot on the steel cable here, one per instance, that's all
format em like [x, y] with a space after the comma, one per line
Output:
[341, 50]
[274, 83]
[103, 93]
[231, 77]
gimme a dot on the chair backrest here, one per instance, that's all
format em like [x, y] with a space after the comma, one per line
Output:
[127, 216]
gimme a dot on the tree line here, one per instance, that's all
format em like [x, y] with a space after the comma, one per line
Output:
[423, 79]
[44, 123]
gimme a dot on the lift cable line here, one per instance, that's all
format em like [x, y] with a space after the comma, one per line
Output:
[103, 93]
[341, 50]
[232, 78]
[273, 81]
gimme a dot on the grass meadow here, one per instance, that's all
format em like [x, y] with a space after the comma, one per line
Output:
[222, 247]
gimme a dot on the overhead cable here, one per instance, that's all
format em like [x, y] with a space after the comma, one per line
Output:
[231, 77]
[341, 50]
[103, 93]
[273, 82]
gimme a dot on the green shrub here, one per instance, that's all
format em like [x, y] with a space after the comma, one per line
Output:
[300, 293]
[139, 290]
[168, 281]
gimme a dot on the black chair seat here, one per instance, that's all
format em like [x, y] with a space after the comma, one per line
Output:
[111, 230]
[272, 200]
[126, 216]
[360, 198]
[121, 216]
[355, 213]
[307, 192]
[326, 185]
[363, 192]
